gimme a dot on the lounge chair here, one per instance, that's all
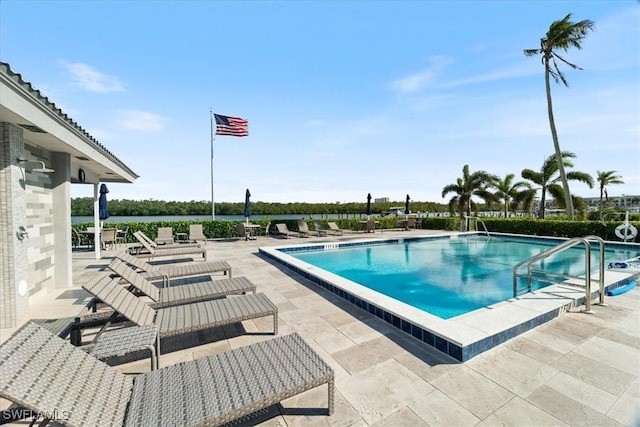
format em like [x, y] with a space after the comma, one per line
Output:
[185, 318]
[320, 228]
[196, 234]
[47, 375]
[283, 230]
[165, 236]
[201, 290]
[170, 271]
[334, 229]
[168, 252]
[153, 244]
[303, 229]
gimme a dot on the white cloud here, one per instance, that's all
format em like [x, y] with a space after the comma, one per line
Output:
[88, 78]
[419, 80]
[142, 121]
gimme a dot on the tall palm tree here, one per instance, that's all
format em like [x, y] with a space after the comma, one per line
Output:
[607, 178]
[562, 35]
[471, 184]
[549, 183]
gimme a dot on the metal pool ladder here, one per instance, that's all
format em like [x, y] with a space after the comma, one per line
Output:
[559, 278]
[478, 220]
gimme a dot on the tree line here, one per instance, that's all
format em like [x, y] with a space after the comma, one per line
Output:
[83, 206]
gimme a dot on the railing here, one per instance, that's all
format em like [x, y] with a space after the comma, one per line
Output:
[546, 276]
[478, 220]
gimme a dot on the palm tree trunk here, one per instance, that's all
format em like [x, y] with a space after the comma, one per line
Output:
[601, 194]
[556, 145]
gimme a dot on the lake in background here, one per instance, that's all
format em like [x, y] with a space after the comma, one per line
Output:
[121, 219]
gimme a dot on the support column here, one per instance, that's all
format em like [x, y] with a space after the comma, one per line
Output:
[61, 189]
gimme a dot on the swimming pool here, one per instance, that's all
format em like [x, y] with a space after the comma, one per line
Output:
[447, 277]
[453, 292]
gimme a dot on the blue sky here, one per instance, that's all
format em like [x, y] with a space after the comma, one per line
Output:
[342, 98]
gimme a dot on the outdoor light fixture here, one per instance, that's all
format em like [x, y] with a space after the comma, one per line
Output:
[42, 169]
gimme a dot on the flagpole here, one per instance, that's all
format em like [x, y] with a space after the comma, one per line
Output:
[213, 205]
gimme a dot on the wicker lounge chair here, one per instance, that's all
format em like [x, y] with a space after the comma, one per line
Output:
[165, 236]
[162, 252]
[334, 229]
[196, 234]
[283, 230]
[320, 228]
[167, 245]
[170, 271]
[47, 375]
[303, 229]
[193, 292]
[185, 318]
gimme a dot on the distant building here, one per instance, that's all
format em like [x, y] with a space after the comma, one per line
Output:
[381, 200]
[624, 202]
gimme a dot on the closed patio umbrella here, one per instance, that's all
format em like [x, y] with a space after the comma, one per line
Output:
[406, 206]
[368, 205]
[247, 206]
[103, 213]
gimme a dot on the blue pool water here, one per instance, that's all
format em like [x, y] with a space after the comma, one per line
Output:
[448, 277]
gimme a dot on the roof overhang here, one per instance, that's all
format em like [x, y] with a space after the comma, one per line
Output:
[50, 128]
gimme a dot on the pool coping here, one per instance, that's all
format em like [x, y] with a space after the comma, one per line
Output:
[461, 337]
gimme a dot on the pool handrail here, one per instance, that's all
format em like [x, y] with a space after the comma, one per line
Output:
[559, 248]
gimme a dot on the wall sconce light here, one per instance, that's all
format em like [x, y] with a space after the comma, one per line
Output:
[42, 168]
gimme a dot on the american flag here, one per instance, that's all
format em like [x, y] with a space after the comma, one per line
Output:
[233, 126]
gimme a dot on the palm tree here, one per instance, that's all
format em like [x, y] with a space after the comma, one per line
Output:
[607, 178]
[562, 34]
[548, 183]
[471, 184]
[510, 193]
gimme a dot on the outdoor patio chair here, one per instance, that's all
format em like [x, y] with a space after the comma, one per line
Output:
[334, 229]
[242, 232]
[48, 376]
[181, 319]
[168, 252]
[108, 237]
[165, 236]
[370, 226]
[303, 228]
[174, 270]
[201, 290]
[283, 230]
[196, 234]
[320, 228]
[122, 235]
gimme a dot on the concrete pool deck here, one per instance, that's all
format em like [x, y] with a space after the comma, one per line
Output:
[576, 369]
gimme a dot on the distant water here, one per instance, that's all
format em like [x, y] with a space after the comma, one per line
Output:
[121, 219]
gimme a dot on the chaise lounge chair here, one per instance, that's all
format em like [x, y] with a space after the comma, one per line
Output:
[320, 228]
[193, 292]
[181, 319]
[283, 230]
[168, 252]
[52, 378]
[170, 271]
[196, 234]
[167, 245]
[165, 236]
[303, 229]
[334, 229]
